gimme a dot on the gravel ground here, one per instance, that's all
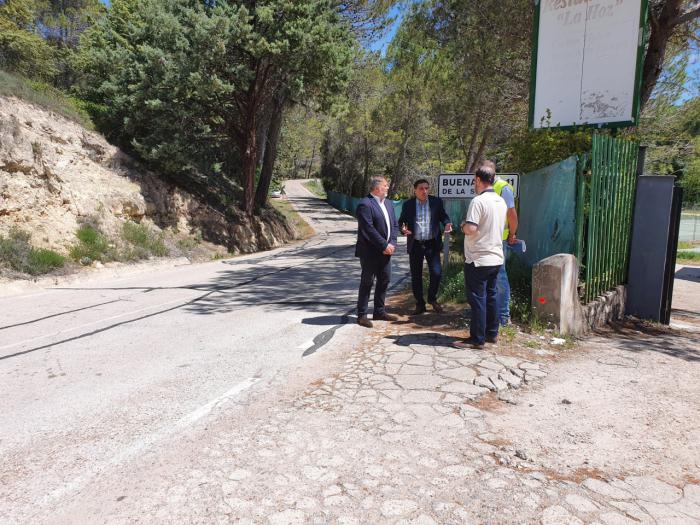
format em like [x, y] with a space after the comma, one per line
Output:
[398, 426]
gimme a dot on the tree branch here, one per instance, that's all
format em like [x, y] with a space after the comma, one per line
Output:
[688, 16]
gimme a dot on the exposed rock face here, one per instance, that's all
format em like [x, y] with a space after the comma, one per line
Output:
[55, 174]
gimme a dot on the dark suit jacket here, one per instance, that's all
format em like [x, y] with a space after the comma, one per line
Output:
[438, 217]
[371, 227]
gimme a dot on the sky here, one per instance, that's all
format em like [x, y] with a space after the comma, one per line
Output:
[382, 43]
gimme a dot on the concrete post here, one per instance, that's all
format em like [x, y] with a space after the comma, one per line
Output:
[555, 294]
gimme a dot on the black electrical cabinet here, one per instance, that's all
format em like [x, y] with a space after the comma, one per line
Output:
[655, 226]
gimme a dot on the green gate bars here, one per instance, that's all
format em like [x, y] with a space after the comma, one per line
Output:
[605, 202]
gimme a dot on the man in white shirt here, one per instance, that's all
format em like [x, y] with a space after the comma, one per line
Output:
[483, 257]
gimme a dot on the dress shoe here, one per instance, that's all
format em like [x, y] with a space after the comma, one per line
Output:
[385, 317]
[492, 340]
[469, 343]
[363, 321]
[437, 307]
[420, 309]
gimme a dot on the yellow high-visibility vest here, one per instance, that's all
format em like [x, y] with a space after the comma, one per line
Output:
[498, 188]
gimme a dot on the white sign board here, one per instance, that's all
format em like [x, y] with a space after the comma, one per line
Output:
[461, 185]
[587, 62]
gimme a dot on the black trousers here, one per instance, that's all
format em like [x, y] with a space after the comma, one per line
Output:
[378, 266]
[429, 251]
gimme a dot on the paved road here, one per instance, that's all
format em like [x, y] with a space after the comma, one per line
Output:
[685, 313]
[96, 375]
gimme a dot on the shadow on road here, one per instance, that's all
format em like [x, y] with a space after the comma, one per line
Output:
[688, 274]
[425, 338]
[327, 320]
[641, 338]
[325, 280]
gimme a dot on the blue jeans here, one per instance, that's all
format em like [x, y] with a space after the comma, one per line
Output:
[503, 289]
[428, 250]
[481, 291]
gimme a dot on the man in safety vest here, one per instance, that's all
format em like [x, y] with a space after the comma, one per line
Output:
[506, 192]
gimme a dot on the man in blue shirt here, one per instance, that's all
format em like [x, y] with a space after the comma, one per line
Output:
[421, 220]
[505, 190]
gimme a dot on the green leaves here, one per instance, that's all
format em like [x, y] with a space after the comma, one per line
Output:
[192, 88]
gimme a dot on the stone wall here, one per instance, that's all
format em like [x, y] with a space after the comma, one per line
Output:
[608, 307]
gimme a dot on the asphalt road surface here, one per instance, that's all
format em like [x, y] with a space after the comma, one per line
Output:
[96, 375]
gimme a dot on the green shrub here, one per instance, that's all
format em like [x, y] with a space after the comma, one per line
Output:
[520, 279]
[452, 284]
[14, 249]
[92, 246]
[528, 150]
[44, 261]
[143, 241]
[688, 256]
[17, 253]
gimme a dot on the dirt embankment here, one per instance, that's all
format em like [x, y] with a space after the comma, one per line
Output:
[56, 175]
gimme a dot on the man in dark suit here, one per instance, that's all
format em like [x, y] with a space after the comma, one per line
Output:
[421, 220]
[376, 242]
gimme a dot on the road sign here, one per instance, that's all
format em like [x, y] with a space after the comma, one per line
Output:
[461, 185]
[587, 62]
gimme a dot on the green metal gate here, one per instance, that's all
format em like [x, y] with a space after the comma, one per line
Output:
[605, 200]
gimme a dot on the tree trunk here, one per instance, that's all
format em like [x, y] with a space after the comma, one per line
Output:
[273, 135]
[365, 172]
[262, 139]
[398, 167]
[662, 27]
[311, 163]
[480, 152]
[250, 162]
[469, 154]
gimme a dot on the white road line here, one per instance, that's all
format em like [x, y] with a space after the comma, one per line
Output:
[144, 444]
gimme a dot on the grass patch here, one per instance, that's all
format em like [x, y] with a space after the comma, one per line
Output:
[520, 279]
[688, 257]
[508, 333]
[315, 187]
[188, 244]
[45, 96]
[92, 245]
[17, 253]
[452, 283]
[137, 242]
[285, 208]
[142, 242]
[536, 324]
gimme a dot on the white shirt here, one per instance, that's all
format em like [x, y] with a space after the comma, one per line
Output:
[488, 212]
[423, 232]
[386, 216]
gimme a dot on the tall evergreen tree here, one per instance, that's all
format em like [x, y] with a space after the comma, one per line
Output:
[191, 87]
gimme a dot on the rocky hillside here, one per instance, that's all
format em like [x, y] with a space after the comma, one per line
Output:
[56, 175]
